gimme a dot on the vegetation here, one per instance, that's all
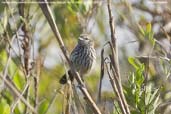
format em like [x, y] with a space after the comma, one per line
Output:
[132, 70]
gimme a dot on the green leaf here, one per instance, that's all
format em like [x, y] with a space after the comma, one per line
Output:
[69, 7]
[3, 59]
[148, 28]
[18, 80]
[150, 34]
[151, 38]
[3, 56]
[12, 68]
[4, 107]
[142, 100]
[131, 60]
[82, 8]
[43, 107]
[77, 6]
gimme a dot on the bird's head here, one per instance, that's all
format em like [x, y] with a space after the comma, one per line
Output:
[84, 39]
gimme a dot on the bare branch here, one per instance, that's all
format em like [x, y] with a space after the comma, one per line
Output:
[115, 88]
[115, 65]
[101, 75]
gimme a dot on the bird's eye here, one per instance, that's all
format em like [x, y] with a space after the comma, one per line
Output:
[86, 38]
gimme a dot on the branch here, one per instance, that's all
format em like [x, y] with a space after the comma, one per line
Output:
[112, 26]
[48, 14]
[113, 81]
[101, 75]
[115, 65]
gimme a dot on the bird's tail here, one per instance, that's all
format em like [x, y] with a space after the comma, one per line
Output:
[63, 79]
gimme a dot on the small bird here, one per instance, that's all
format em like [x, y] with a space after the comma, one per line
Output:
[82, 57]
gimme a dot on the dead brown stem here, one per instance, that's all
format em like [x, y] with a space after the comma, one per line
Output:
[115, 65]
[113, 82]
[101, 75]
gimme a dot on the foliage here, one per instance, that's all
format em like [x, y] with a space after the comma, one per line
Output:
[141, 97]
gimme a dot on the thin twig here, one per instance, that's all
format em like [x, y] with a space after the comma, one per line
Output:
[77, 100]
[101, 75]
[18, 99]
[115, 88]
[52, 101]
[36, 81]
[15, 27]
[48, 14]
[5, 71]
[153, 57]
[116, 78]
